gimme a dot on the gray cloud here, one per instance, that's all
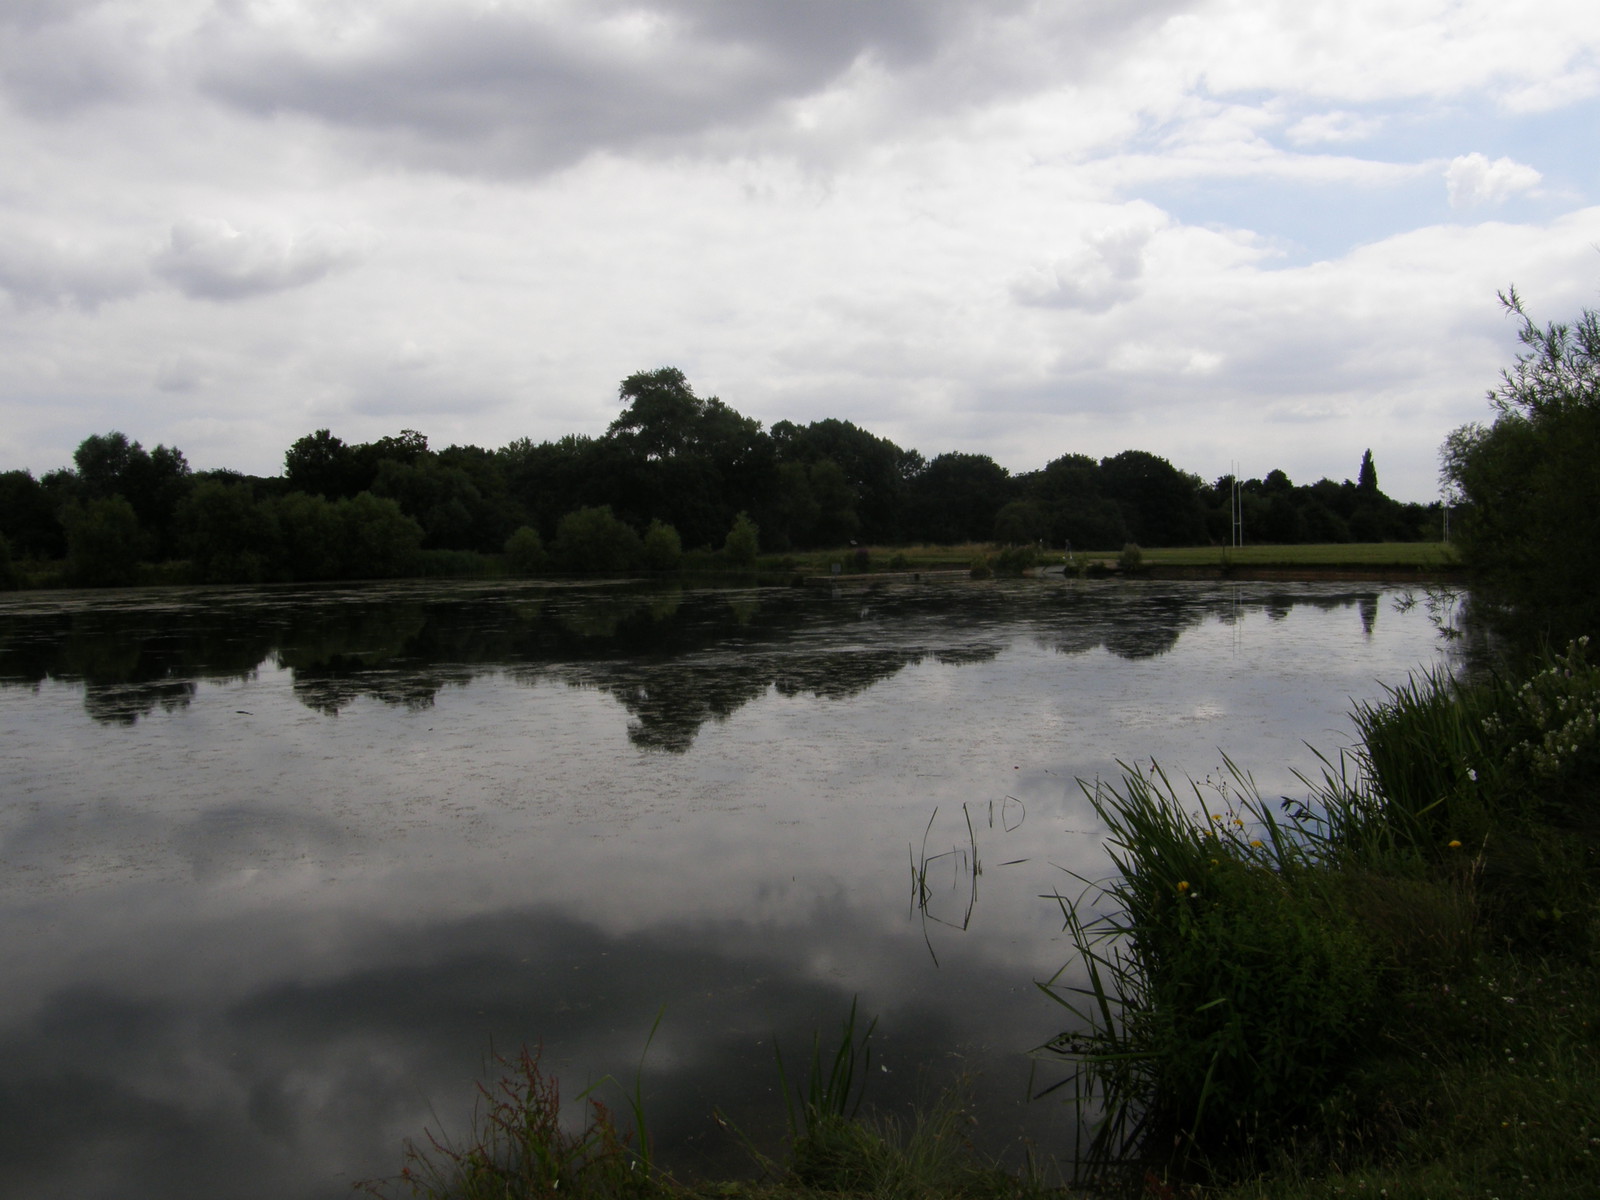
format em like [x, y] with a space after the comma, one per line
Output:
[512, 92]
[36, 270]
[210, 259]
[56, 59]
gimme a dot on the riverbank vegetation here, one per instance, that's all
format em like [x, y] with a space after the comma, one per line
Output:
[1385, 987]
[1387, 984]
[686, 466]
[520, 1146]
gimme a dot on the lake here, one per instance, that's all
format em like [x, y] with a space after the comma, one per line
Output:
[281, 867]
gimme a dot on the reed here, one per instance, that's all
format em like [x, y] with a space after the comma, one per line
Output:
[519, 1147]
[1263, 985]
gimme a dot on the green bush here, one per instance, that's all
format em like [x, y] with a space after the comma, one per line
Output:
[595, 541]
[1131, 559]
[1014, 560]
[1500, 771]
[524, 551]
[981, 568]
[743, 542]
[662, 548]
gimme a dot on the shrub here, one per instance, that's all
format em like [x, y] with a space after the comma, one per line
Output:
[742, 542]
[524, 551]
[1014, 560]
[1131, 559]
[595, 540]
[980, 568]
[662, 548]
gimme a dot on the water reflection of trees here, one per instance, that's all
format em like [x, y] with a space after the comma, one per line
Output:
[669, 702]
[1148, 624]
[130, 661]
[673, 658]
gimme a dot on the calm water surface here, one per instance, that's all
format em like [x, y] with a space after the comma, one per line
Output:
[278, 867]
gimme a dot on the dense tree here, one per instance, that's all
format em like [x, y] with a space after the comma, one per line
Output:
[28, 517]
[230, 536]
[1022, 523]
[9, 576]
[322, 465]
[875, 470]
[1530, 482]
[1081, 515]
[662, 414]
[1160, 503]
[325, 466]
[675, 457]
[104, 541]
[152, 482]
[313, 541]
[1367, 477]
[379, 541]
[956, 497]
[670, 461]
[445, 501]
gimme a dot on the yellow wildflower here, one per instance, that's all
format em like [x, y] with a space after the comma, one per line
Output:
[1183, 885]
[1454, 845]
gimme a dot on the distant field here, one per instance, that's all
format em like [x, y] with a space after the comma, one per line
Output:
[1335, 554]
[1330, 554]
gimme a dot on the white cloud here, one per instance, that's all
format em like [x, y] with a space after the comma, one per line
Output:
[1471, 180]
[1104, 272]
[207, 258]
[1335, 126]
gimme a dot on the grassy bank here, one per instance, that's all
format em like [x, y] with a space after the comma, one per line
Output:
[1331, 554]
[1386, 989]
[1353, 556]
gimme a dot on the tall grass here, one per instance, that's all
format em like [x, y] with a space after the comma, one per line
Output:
[519, 1147]
[1256, 976]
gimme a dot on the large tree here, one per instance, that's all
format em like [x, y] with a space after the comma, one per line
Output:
[1530, 483]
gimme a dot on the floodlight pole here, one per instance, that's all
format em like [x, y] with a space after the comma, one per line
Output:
[1236, 508]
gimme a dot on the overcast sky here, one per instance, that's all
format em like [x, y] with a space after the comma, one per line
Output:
[1257, 231]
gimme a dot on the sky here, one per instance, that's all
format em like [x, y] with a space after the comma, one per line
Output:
[1253, 233]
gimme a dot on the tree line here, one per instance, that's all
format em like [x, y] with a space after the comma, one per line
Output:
[673, 471]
